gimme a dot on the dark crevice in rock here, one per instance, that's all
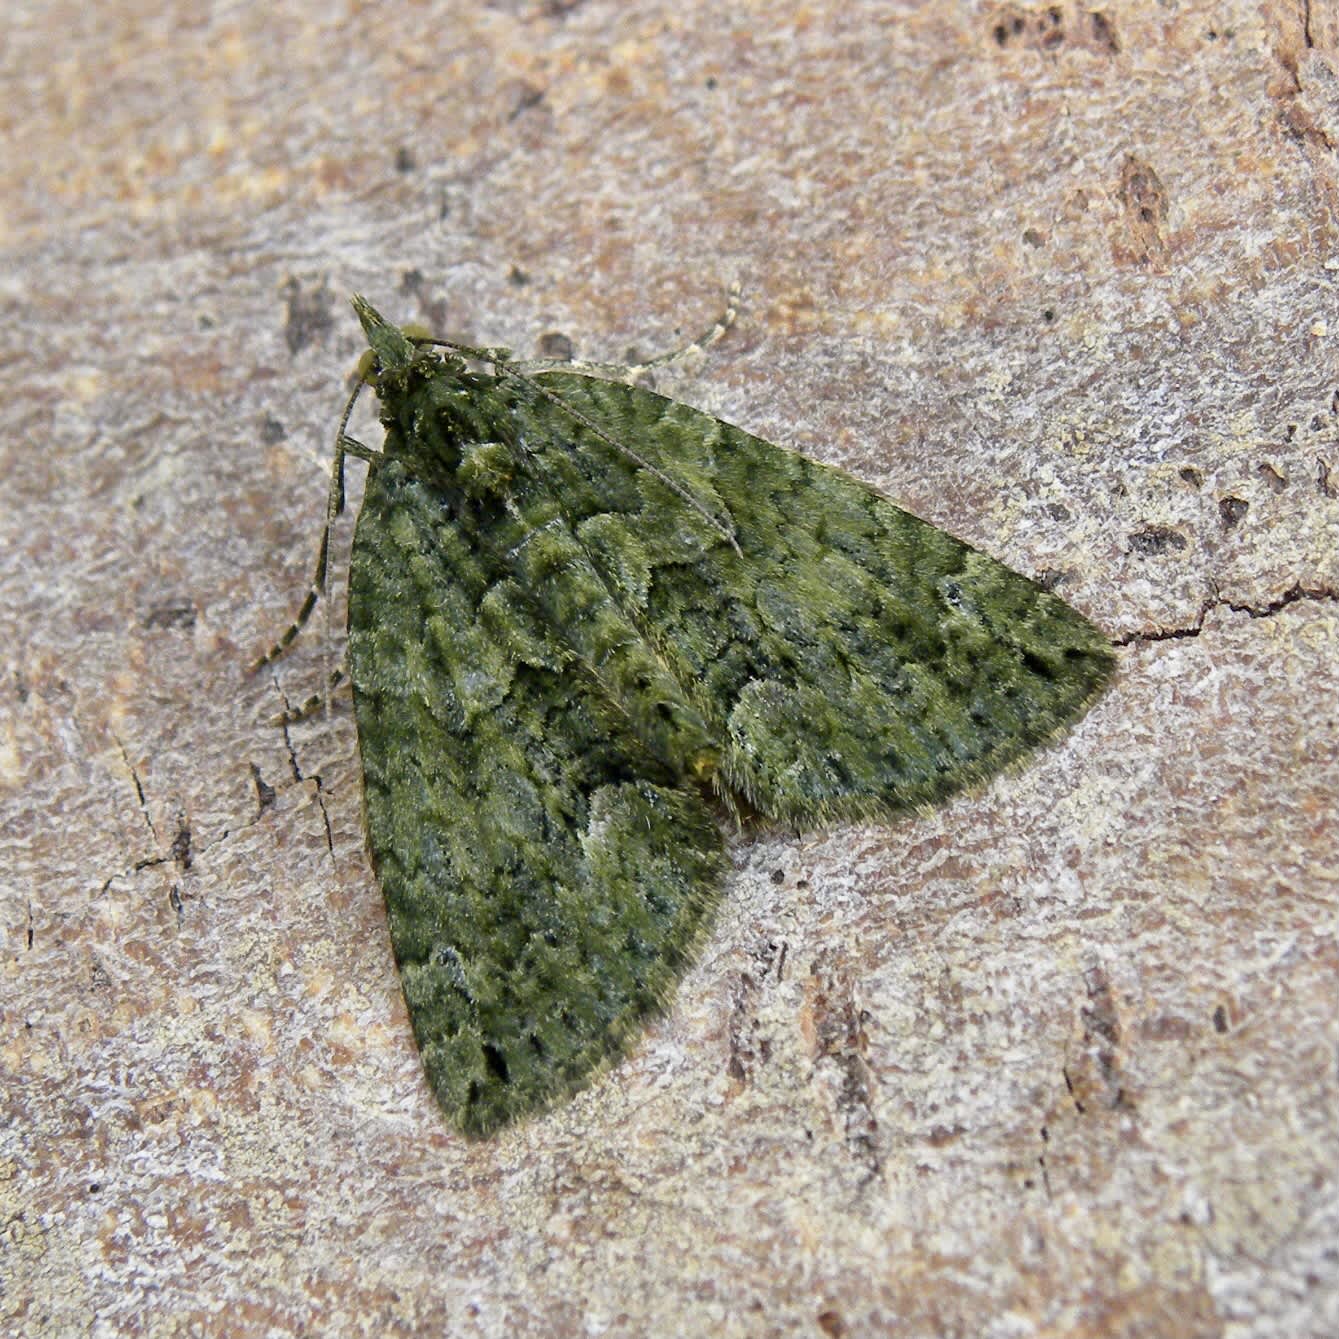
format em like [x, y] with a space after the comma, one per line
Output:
[288, 715]
[1294, 595]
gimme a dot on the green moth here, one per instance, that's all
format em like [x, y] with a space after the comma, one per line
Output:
[583, 618]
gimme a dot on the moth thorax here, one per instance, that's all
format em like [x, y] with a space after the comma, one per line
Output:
[485, 469]
[704, 765]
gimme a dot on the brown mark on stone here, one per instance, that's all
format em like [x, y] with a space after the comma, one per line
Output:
[1274, 478]
[308, 315]
[1051, 28]
[1153, 540]
[1143, 200]
[835, 1025]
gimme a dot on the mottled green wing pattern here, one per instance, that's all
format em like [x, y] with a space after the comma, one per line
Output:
[855, 659]
[573, 605]
[546, 878]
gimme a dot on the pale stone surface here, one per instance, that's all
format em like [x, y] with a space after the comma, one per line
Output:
[1058, 1059]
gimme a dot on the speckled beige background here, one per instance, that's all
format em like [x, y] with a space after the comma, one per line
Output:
[1057, 1060]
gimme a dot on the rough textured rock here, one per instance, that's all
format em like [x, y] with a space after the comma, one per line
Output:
[1055, 1059]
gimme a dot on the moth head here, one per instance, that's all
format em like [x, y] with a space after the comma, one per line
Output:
[389, 349]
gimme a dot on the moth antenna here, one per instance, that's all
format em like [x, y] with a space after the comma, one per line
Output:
[725, 531]
[631, 373]
[334, 508]
[703, 342]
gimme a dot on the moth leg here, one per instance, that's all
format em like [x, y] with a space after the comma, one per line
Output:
[304, 613]
[634, 372]
[346, 446]
[316, 702]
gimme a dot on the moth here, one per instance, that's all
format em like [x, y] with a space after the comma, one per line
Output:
[582, 620]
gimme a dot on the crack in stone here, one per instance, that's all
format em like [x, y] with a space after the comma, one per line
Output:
[297, 770]
[179, 853]
[139, 790]
[1293, 595]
